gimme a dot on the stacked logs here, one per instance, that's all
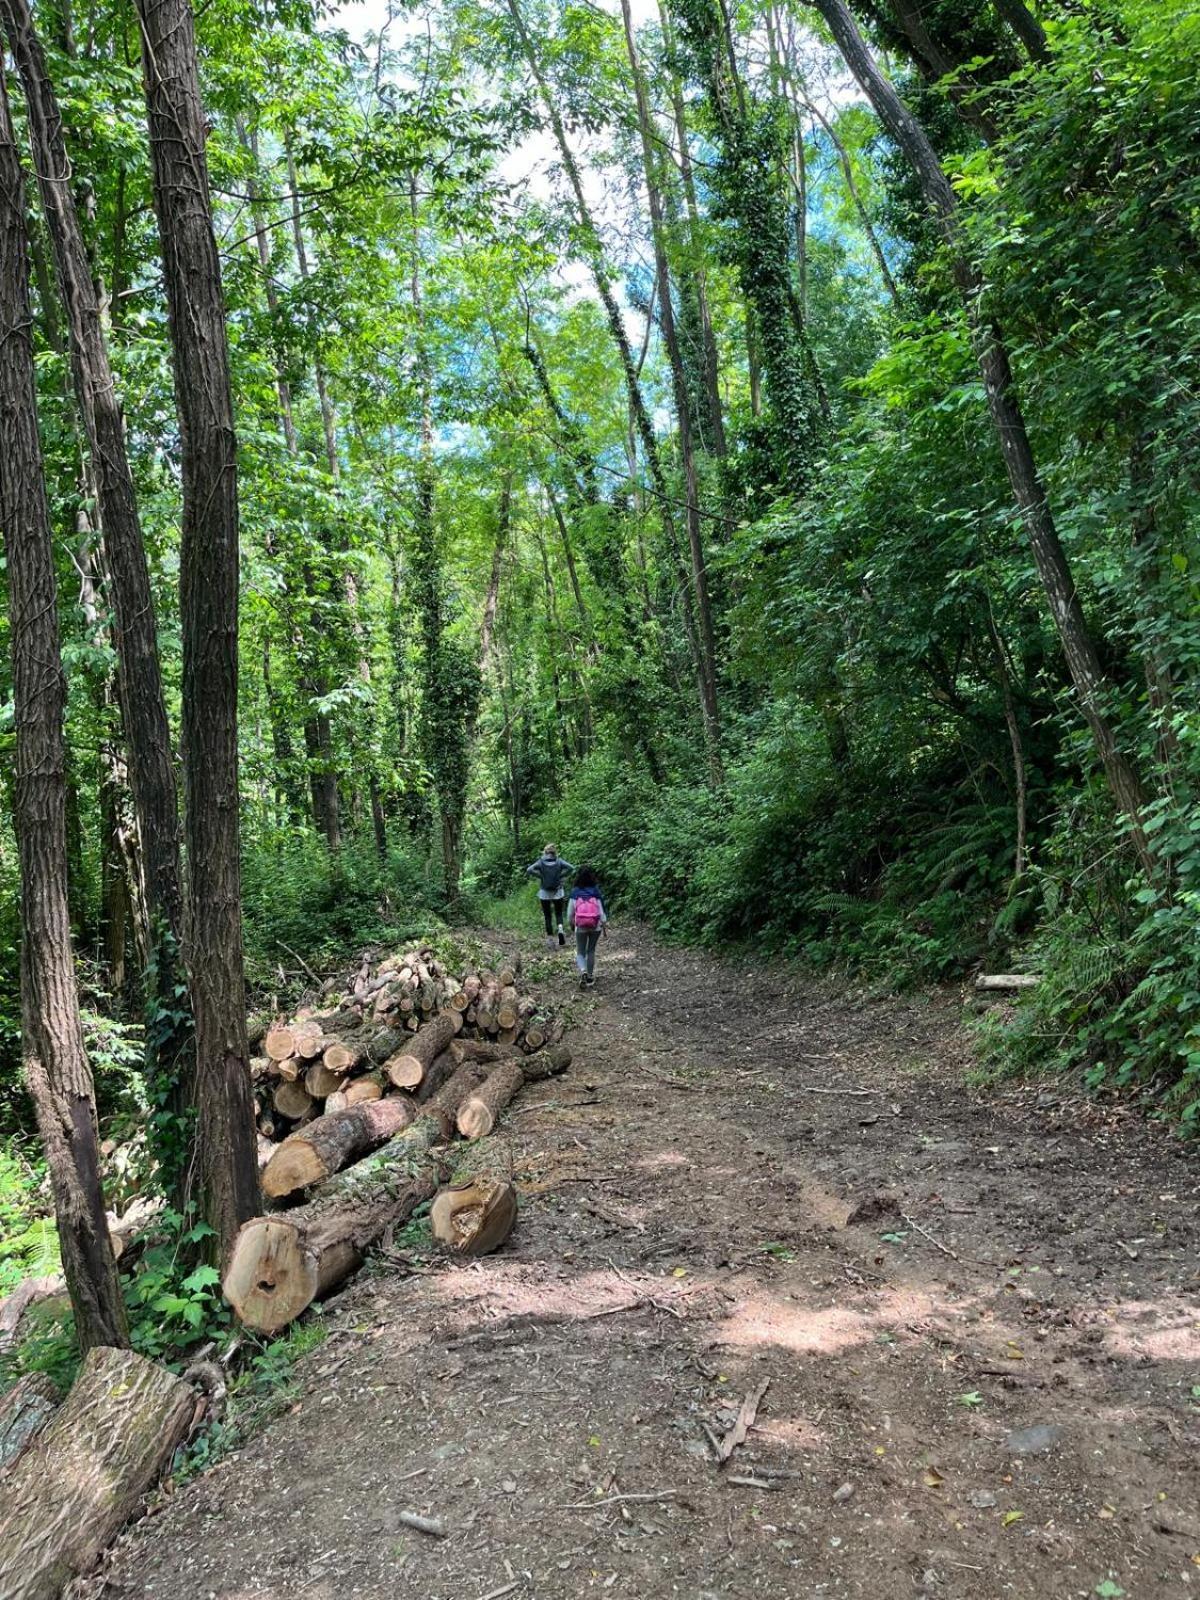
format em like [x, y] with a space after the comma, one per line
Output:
[385, 1032]
[362, 1170]
[357, 1103]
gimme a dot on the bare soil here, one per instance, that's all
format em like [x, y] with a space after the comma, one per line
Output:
[975, 1313]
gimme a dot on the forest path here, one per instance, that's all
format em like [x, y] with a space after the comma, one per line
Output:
[1014, 1418]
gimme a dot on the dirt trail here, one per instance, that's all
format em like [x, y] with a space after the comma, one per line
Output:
[982, 1388]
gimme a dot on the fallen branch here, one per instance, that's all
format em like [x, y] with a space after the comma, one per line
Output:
[936, 1243]
[745, 1421]
[615, 1499]
[304, 966]
[857, 1094]
[410, 1519]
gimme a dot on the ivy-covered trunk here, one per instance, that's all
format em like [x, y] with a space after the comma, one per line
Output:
[745, 181]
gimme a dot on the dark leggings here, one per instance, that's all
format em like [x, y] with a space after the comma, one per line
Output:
[549, 910]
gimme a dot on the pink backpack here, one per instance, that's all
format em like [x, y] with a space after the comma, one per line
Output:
[587, 910]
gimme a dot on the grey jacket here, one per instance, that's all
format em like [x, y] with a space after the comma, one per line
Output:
[550, 871]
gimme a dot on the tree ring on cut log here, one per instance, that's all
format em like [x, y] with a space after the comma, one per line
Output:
[474, 1217]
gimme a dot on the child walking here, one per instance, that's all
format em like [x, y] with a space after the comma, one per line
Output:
[551, 871]
[586, 914]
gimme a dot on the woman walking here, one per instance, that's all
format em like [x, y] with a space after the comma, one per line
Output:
[551, 872]
[586, 914]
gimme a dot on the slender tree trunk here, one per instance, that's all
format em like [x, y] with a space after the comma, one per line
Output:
[225, 1146]
[328, 421]
[1020, 781]
[572, 571]
[140, 685]
[491, 599]
[885, 272]
[248, 139]
[1091, 686]
[287, 798]
[1026, 27]
[936, 64]
[557, 632]
[322, 771]
[637, 401]
[450, 690]
[1160, 686]
[57, 1068]
[707, 653]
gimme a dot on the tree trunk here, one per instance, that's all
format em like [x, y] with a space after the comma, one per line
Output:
[1020, 781]
[707, 649]
[1026, 27]
[637, 401]
[475, 1217]
[1087, 675]
[477, 1114]
[885, 272]
[935, 64]
[140, 685]
[59, 1073]
[714, 419]
[409, 1064]
[73, 1490]
[491, 600]
[547, 1063]
[316, 1152]
[225, 1148]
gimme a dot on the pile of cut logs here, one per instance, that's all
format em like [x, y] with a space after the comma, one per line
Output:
[386, 1032]
[401, 1068]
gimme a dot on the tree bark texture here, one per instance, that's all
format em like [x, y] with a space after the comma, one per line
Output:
[72, 1491]
[24, 1412]
[1026, 27]
[59, 1073]
[225, 1146]
[140, 684]
[1008, 420]
[325, 1146]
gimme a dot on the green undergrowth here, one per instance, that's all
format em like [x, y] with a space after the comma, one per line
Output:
[264, 1385]
[901, 881]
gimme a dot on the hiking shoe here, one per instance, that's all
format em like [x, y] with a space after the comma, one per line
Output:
[590, 979]
[562, 938]
[583, 980]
